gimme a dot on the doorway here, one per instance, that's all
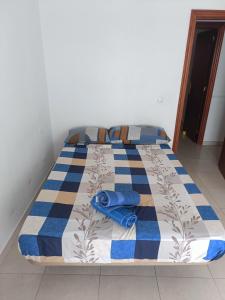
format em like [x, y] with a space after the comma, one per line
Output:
[202, 58]
[202, 55]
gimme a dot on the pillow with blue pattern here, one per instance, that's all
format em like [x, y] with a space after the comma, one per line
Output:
[87, 135]
[138, 135]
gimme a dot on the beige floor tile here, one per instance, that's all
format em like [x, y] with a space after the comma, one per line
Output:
[211, 199]
[187, 163]
[213, 180]
[220, 283]
[183, 271]
[195, 151]
[19, 286]
[217, 268]
[195, 165]
[203, 187]
[202, 165]
[73, 270]
[15, 263]
[66, 287]
[218, 195]
[128, 287]
[128, 270]
[204, 171]
[205, 190]
[187, 289]
[222, 215]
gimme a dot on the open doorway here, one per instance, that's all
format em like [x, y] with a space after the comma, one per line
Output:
[202, 56]
[199, 77]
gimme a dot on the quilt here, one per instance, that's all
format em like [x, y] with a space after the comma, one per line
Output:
[175, 223]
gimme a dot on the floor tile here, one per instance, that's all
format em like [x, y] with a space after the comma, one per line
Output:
[202, 186]
[128, 287]
[187, 163]
[187, 288]
[195, 165]
[15, 263]
[218, 195]
[217, 268]
[128, 270]
[195, 151]
[66, 287]
[202, 164]
[213, 180]
[19, 286]
[183, 271]
[95, 270]
[220, 283]
[222, 215]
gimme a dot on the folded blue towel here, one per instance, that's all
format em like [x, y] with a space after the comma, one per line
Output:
[125, 216]
[110, 198]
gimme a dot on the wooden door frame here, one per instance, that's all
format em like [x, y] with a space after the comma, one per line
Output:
[196, 16]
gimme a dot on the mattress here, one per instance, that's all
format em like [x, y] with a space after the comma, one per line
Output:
[175, 223]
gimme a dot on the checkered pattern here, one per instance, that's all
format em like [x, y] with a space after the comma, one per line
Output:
[175, 222]
[138, 135]
[87, 135]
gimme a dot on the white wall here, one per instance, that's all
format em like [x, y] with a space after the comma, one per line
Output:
[107, 61]
[215, 129]
[26, 144]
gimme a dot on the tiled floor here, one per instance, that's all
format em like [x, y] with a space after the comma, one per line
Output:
[21, 280]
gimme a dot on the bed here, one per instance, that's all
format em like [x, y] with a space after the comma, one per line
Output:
[176, 224]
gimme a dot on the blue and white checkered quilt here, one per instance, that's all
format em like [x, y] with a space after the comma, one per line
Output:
[175, 222]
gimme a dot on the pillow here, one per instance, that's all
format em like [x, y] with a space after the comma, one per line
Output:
[87, 135]
[138, 135]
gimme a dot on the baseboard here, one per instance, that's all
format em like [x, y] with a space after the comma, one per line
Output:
[212, 143]
[17, 228]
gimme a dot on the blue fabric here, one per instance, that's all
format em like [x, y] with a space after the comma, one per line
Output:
[207, 213]
[29, 245]
[120, 156]
[61, 167]
[53, 227]
[73, 177]
[125, 216]
[192, 188]
[49, 245]
[123, 187]
[146, 213]
[122, 170]
[164, 146]
[111, 198]
[148, 230]
[146, 249]
[123, 249]
[41, 208]
[216, 250]
[52, 185]
[139, 179]
[181, 171]
[172, 156]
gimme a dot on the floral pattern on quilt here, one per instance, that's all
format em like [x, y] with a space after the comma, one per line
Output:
[175, 223]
